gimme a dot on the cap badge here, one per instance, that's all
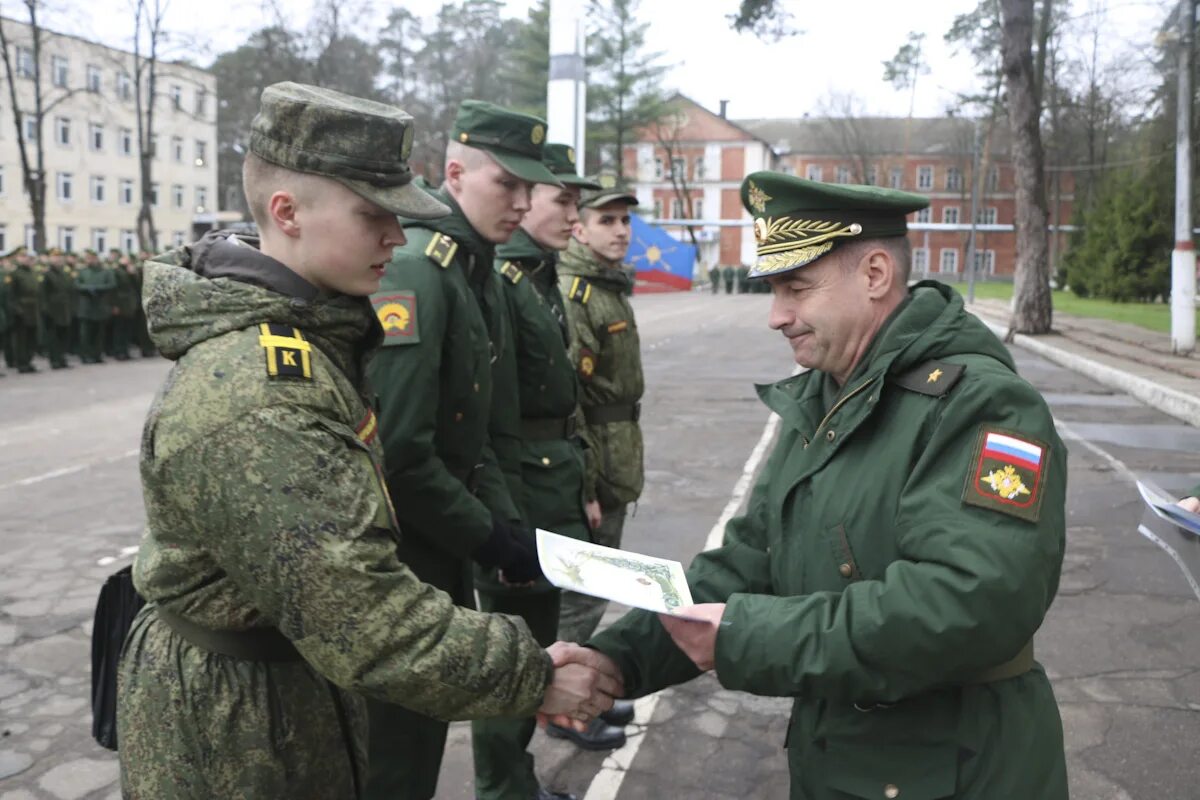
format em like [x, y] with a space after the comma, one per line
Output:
[462, 137]
[758, 198]
[571, 155]
[607, 182]
[538, 134]
[406, 143]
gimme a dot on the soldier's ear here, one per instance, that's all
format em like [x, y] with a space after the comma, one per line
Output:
[281, 211]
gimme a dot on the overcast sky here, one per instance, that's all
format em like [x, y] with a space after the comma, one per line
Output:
[840, 51]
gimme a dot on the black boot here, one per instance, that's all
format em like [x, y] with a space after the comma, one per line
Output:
[620, 715]
[598, 736]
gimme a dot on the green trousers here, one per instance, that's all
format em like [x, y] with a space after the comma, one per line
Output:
[10, 353]
[581, 613]
[122, 335]
[24, 338]
[91, 339]
[503, 765]
[56, 342]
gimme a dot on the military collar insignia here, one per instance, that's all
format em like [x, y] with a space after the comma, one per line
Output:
[1007, 472]
[931, 378]
[758, 198]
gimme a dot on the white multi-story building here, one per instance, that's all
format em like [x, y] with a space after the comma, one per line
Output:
[89, 138]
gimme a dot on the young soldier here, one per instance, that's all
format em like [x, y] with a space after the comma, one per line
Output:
[24, 303]
[905, 538]
[58, 295]
[606, 353]
[441, 310]
[275, 597]
[124, 307]
[95, 284]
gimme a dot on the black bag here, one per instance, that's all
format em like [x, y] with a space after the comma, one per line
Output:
[116, 607]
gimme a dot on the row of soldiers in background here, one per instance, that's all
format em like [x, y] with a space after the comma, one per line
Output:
[58, 303]
[735, 277]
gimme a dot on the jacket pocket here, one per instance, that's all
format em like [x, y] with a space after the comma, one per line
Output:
[843, 556]
[905, 771]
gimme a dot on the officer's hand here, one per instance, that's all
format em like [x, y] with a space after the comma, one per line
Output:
[594, 517]
[697, 640]
[584, 685]
[1191, 504]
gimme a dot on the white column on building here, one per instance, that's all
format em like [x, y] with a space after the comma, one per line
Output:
[566, 92]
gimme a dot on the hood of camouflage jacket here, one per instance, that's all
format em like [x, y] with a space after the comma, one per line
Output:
[577, 259]
[224, 283]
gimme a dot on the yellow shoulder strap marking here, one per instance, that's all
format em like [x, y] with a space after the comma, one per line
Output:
[512, 272]
[288, 356]
[441, 250]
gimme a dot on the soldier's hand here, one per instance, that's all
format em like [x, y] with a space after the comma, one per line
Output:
[584, 685]
[512, 550]
[594, 516]
[1191, 504]
[697, 640]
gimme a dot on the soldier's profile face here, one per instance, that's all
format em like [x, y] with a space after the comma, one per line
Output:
[493, 200]
[552, 215]
[605, 230]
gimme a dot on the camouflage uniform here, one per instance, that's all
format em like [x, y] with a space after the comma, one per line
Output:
[606, 352]
[269, 557]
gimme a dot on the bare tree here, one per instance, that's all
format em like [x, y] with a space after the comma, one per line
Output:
[33, 169]
[667, 132]
[1032, 309]
[147, 32]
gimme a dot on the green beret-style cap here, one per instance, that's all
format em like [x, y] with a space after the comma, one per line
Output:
[796, 221]
[514, 139]
[359, 143]
[560, 159]
[609, 190]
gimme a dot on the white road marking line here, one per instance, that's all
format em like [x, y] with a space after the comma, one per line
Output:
[1112, 460]
[607, 782]
[126, 552]
[64, 471]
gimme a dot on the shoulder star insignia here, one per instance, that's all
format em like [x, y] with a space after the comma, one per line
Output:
[933, 376]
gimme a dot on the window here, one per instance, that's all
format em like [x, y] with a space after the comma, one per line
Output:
[987, 216]
[920, 259]
[177, 197]
[201, 100]
[93, 78]
[697, 208]
[813, 172]
[201, 199]
[66, 182]
[3, 237]
[97, 189]
[201, 152]
[96, 136]
[177, 149]
[124, 86]
[99, 239]
[178, 238]
[925, 215]
[658, 207]
[62, 131]
[954, 181]
[128, 241]
[154, 145]
[950, 215]
[896, 179]
[678, 168]
[925, 178]
[787, 169]
[993, 179]
[658, 168]
[58, 71]
[676, 209]
[176, 94]
[154, 195]
[66, 238]
[2, 189]
[126, 141]
[25, 66]
[125, 195]
[985, 261]
[29, 237]
[31, 128]
[843, 175]
[872, 176]
[948, 261]
[698, 169]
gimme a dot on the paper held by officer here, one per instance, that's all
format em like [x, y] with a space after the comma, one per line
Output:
[1174, 529]
[633, 579]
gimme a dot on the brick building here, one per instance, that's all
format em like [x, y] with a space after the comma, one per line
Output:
[691, 168]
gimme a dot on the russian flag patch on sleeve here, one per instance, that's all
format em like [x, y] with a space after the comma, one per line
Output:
[1007, 472]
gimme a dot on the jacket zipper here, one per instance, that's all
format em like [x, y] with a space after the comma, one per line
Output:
[838, 405]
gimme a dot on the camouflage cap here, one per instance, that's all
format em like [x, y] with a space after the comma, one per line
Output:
[560, 159]
[796, 221]
[359, 143]
[514, 139]
[608, 190]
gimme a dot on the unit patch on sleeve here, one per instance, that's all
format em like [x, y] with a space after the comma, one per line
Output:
[587, 364]
[289, 355]
[398, 315]
[1007, 473]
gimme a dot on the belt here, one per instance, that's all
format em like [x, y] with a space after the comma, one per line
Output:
[257, 644]
[1019, 664]
[547, 429]
[613, 412]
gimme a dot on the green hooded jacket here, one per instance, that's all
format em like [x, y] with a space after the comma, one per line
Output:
[606, 352]
[892, 556]
[265, 507]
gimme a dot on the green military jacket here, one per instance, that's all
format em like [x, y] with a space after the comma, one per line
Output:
[433, 380]
[606, 352]
[125, 293]
[892, 555]
[95, 284]
[262, 475]
[550, 460]
[24, 293]
[58, 295]
[5, 315]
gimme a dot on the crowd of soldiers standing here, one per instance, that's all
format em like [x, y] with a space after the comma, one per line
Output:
[735, 278]
[58, 304]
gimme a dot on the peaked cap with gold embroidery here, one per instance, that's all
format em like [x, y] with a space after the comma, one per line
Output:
[796, 221]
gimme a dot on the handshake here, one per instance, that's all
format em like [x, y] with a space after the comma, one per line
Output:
[585, 684]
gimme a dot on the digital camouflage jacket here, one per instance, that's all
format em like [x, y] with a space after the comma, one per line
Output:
[261, 471]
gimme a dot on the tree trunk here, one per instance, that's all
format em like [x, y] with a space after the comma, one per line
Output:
[1032, 309]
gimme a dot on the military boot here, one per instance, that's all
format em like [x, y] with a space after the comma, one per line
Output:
[620, 715]
[598, 736]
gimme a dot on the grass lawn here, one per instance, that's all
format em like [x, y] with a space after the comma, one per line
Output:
[1153, 316]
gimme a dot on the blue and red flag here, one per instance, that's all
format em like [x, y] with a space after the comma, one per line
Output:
[661, 262]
